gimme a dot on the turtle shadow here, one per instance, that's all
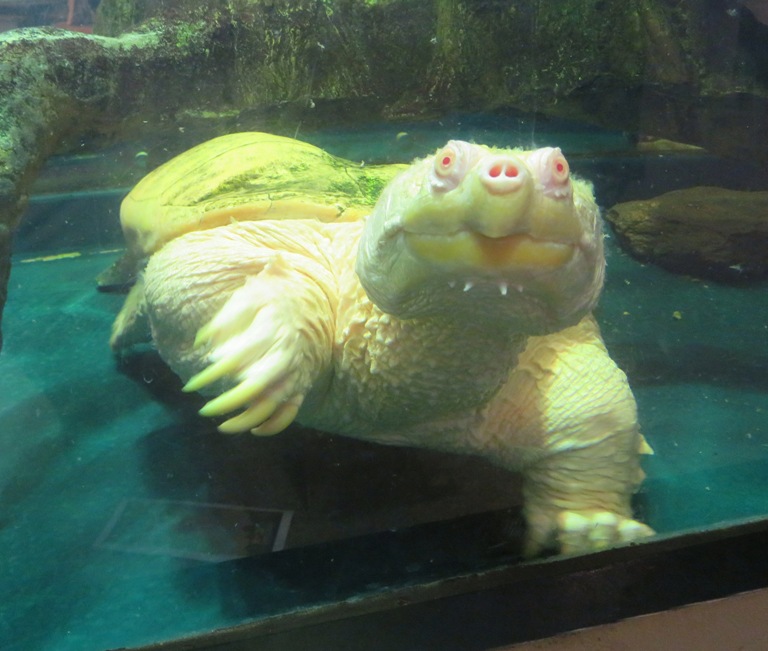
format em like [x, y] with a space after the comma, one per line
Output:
[144, 366]
[651, 365]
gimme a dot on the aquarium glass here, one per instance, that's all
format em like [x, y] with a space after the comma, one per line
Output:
[127, 519]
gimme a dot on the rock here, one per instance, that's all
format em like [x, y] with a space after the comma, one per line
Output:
[703, 231]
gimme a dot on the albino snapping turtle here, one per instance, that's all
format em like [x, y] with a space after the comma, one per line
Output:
[456, 316]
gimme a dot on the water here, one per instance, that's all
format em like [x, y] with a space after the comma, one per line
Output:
[121, 507]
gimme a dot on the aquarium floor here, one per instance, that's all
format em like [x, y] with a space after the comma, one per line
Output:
[121, 510]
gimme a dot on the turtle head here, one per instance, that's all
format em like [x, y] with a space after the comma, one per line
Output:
[508, 234]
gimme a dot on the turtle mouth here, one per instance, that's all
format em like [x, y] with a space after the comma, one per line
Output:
[472, 249]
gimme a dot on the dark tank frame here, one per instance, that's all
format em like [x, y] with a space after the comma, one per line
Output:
[499, 606]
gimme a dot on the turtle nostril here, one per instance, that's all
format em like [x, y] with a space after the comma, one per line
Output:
[503, 175]
[507, 169]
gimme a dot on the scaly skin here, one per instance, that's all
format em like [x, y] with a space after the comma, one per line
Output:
[457, 317]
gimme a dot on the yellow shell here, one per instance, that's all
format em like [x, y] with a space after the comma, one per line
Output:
[246, 176]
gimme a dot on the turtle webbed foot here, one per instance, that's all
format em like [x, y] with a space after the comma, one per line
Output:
[576, 532]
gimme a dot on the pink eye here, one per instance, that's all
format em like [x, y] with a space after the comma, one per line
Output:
[552, 172]
[451, 163]
[560, 169]
[445, 161]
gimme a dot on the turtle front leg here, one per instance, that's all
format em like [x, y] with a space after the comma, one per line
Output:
[271, 337]
[265, 336]
[579, 500]
[568, 419]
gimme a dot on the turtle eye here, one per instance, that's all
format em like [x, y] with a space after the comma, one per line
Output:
[552, 172]
[446, 161]
[559, 166]
[450, 165]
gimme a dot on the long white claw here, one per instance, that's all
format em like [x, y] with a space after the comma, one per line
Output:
[277, 422]
[603, 530]
[630, 530]
[644, 447]
[210, 374]
[248, 345]
[269, 370]
[573, 530]
[252, 417]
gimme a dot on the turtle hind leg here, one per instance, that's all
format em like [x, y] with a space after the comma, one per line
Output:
[119, 277]
[131, 326]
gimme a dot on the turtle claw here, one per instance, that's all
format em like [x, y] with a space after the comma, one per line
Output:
[253, 416]
[231, 353]
[578, 532]
[259, 378]
[268, 387]
[209, 375]
[265, 416]
[284, 415]
[260, 348]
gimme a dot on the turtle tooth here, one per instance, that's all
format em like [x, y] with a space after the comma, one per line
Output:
[468, 285]
[503, 289]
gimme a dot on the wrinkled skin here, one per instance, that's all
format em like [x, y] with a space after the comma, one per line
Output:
[455, 317]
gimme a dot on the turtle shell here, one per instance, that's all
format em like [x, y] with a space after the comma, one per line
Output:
[242, 177]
